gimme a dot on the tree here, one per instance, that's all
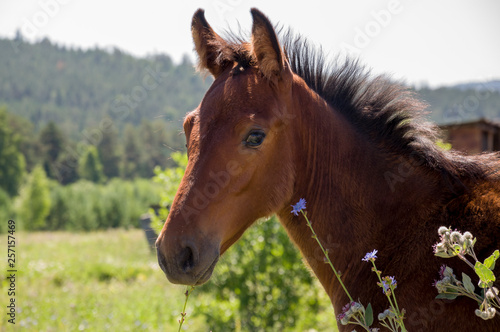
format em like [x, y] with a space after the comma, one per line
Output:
[153, 142]
[28, 142]
[131, 155]
[67, 168]
[109, 153]
[89, 165]
[52, 141]
[33, 204]
[12, 163]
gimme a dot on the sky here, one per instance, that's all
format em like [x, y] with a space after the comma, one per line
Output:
[420, 42]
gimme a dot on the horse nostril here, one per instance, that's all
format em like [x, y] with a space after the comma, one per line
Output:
[188, 257]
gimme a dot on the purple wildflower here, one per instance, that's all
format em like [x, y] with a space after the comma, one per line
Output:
[393, 282]
[385, 286]
[370, 256]
[301, 205]
[441, 271]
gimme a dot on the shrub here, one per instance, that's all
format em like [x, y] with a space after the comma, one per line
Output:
[33, 203]
[261, 284]
[86, 206]
[6, 211]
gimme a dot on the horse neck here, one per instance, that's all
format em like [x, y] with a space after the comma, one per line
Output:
[349, 200]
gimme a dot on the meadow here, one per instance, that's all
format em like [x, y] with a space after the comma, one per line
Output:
[110, 281]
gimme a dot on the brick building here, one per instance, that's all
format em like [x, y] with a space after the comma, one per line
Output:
[473, 137]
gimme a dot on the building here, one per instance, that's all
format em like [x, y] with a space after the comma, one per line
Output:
[473, 137]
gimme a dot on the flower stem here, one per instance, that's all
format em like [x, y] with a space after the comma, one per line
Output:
[326, 255]
[395, 307]
[183, 313]
[462, 257]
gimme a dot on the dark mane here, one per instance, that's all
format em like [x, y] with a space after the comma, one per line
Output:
[388, 113]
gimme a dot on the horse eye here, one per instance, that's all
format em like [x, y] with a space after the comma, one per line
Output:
[255, 138]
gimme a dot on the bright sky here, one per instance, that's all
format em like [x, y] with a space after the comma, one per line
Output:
[437, 42]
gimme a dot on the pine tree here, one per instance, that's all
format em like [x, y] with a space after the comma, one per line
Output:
[153, 141]
[12, 163]
[109, 153]
[89, 165]
[52, 142]
[131, 154]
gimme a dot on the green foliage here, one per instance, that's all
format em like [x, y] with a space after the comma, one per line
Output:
[86, 206]
[443, 145]
[109, 153]
[169, 179]
[131, 154]
[485, 274]
[6, 210]
[261, 284]
[89, 165]
[33, 205]
[469, 286]
[77, 89]
[490, 261]
[52, 141]
[456, 244]
[12, 163]
[153, 140]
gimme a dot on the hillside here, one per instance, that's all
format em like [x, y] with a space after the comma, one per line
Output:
[76, 89]
[460, 104]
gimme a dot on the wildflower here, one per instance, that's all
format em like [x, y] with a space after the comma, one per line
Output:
[348, 311]
[385, 287]
[442, 230]
[370, 256]
[441, 270]
[393, 281]
[490, 294]
[356, 307]
[468, 236]
[301, 205]
[386, 314]
[440, 286]
[448, 272]
[489, 313]
[456, 237]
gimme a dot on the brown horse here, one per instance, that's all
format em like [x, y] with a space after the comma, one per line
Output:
[279, 124]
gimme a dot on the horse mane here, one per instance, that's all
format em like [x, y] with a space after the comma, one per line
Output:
[387, 112]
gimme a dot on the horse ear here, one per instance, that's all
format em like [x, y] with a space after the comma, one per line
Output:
[265, 46]
[207, 44]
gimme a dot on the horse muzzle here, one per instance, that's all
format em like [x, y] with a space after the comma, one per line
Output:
[188, 264]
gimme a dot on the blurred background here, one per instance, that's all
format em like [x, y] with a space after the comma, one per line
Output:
[92, 98]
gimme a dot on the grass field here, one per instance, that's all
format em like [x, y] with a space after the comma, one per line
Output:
[99, 281]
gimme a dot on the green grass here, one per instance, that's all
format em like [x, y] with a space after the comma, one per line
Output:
[98, 281]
